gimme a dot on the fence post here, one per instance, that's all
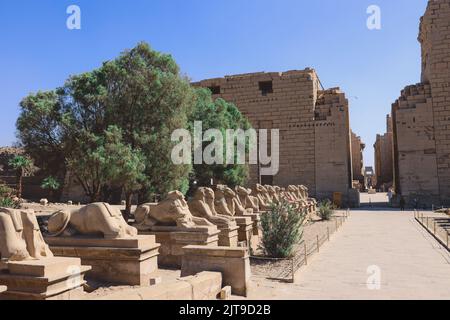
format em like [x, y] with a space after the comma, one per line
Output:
[328, 233]
[318, 244]
[434, 227]
[306, 256]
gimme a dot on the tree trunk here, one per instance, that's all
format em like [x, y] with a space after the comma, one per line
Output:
[19, 183]
[128, 196]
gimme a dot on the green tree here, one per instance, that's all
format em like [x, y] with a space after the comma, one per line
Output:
[139, 98]
[23, 166]
[40, 132]
[51, 184]
[220, 115]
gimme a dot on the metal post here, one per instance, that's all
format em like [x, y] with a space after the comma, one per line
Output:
[318, 244]
[328, 233]
[434, 227]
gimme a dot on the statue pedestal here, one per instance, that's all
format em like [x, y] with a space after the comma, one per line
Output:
[46, 279]
[173, 239]
[245, 229]
[256, 219]
[233, 263]
[128, 261]
[228, 236]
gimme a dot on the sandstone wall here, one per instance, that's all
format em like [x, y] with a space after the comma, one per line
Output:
[314, 125]
[332, 144]
[415, 145]
[435, 39]
[357, 158]
[384, 167]
[421, 117]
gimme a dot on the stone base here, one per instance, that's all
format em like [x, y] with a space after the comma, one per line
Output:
[172, 243]
[228, 237]
[119, 261]
[233, 263]
[245, 232]
[47, 279]
[203, 286]
[256, 218]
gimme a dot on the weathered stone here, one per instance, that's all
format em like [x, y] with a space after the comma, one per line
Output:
[174, 227]
[173, 241]
[28, 267]
[203, 206]
[384, 167]
[225, 293]
[421, 117]
[46, 279]
[313, 123]
[128, 261]
[98, 219]
[233, 263]
[203, 286]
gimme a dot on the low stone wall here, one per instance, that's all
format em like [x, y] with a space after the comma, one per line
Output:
[233, 263]
[203, 286]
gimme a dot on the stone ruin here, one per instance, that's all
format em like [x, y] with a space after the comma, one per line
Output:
[28, 267]
[100, 237]
[212, 233]
[421, 117]
[174, 226]
[315, 144]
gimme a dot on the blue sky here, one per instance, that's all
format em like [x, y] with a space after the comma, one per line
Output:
[213, 38]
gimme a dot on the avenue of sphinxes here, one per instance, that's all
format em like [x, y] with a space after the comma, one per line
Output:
[96, 205]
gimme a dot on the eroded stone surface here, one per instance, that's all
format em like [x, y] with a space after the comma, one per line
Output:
[233, 263]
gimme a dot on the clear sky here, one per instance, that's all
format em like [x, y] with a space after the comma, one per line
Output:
[213, 38]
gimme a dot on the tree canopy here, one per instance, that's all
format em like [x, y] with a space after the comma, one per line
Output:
[111, 127]
[222, 115]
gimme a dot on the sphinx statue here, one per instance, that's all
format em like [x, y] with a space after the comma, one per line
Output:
[94, 219]
[303, 190]
[171, 212]
[29, 269]
[261, 193]
[234, 203]
[199, 207]
[273, 193]
[203, 206]
[221, 204]
[247, 201]
[20, 236]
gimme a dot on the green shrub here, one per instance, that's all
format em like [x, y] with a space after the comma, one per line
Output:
[282, 230]
[5, 191]
[6, 197]
[326, 210]
[8, 203]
